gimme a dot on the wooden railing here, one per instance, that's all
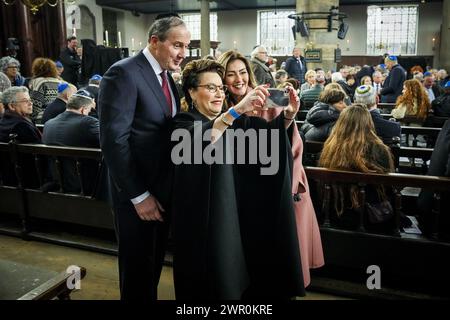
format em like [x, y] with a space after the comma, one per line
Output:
[397, 181]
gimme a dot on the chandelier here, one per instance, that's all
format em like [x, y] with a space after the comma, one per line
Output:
[34, 5]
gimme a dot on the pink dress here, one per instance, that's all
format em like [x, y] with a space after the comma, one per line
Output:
[307, 227]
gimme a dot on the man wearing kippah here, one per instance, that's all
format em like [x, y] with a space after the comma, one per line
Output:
[65, 91]
[385, 129]
[393, 85]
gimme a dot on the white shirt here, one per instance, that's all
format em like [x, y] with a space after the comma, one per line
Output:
[157, 68]
[377, 87]
[430, 94]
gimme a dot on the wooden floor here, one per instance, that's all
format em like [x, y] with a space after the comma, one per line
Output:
[101, 281]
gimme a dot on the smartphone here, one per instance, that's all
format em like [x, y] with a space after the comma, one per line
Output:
[279, 98]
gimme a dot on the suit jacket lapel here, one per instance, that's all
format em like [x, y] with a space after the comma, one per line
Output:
[152, 80]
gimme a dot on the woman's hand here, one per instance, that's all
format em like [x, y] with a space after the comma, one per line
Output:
[253, 101]
[294, 104]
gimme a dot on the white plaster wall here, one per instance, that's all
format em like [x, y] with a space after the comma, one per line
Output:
[239, 26]
[128, 25]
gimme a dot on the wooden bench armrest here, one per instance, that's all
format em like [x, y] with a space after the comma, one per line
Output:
[55, 287]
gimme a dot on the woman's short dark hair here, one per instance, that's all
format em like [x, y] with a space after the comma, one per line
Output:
[191, 74]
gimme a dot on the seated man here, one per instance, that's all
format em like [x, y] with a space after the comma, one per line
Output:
[311, 96]
[92, 88]
[65, 91]
[75, 128]
[386, 129]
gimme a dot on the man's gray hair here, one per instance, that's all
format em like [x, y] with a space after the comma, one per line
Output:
[76, 102]
[9, 95]
[5, 62]
[365, 94]
[377, 74]
[257, 50]
[161, 27]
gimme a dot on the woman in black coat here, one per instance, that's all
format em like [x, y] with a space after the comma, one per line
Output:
[234, 227]
[15, 120]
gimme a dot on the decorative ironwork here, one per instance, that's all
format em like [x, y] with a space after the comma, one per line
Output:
[35, 5]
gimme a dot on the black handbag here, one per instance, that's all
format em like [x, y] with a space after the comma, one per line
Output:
[379, 212]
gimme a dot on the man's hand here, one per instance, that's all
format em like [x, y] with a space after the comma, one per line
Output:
[149, 209]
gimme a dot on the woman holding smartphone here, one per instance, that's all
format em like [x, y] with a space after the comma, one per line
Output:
[234, 229]
[239, 79]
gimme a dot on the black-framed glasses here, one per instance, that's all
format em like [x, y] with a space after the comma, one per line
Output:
[211, 87]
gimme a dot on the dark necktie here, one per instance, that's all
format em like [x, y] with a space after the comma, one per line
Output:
[165, 88]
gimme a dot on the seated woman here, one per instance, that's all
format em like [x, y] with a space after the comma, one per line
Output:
[16, 121]
[43, 85]
[413, 102]
[233, 225]
[354, 146]
[310, 77]
[16, 118]
[322, 117]
[240, 82]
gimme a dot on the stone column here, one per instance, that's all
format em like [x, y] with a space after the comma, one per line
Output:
[319, 38]
[445, 36]
[204, 35]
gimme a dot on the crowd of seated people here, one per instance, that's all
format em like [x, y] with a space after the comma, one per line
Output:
[324, 93]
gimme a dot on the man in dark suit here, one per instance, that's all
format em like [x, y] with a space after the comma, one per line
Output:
[58, 106]
[137, 99]
[75, 128]
[296, 66]
[386, 129]
[93, 88]
[393, 85]
[71, 61]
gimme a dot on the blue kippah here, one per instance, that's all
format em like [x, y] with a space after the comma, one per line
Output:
[392, 58]
[62, 86]
[383, 66]
[59, 64]
[447, 84]
[96, 77]
[426, 74]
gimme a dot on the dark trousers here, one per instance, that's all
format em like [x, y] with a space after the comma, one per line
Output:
[142, 246]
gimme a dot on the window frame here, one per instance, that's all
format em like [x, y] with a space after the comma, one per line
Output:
[212, 28]
[377, 52]
[289, 48]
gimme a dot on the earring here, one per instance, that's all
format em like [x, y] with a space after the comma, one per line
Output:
[194, 104]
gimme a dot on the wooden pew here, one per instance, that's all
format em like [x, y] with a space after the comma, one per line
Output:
[54, 288]
[30, 204]
[396, 180]
[403, 258]
[430, 135]
[386, 107]
[312, 150]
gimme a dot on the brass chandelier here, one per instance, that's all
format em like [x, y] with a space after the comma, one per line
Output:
[34, 5]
